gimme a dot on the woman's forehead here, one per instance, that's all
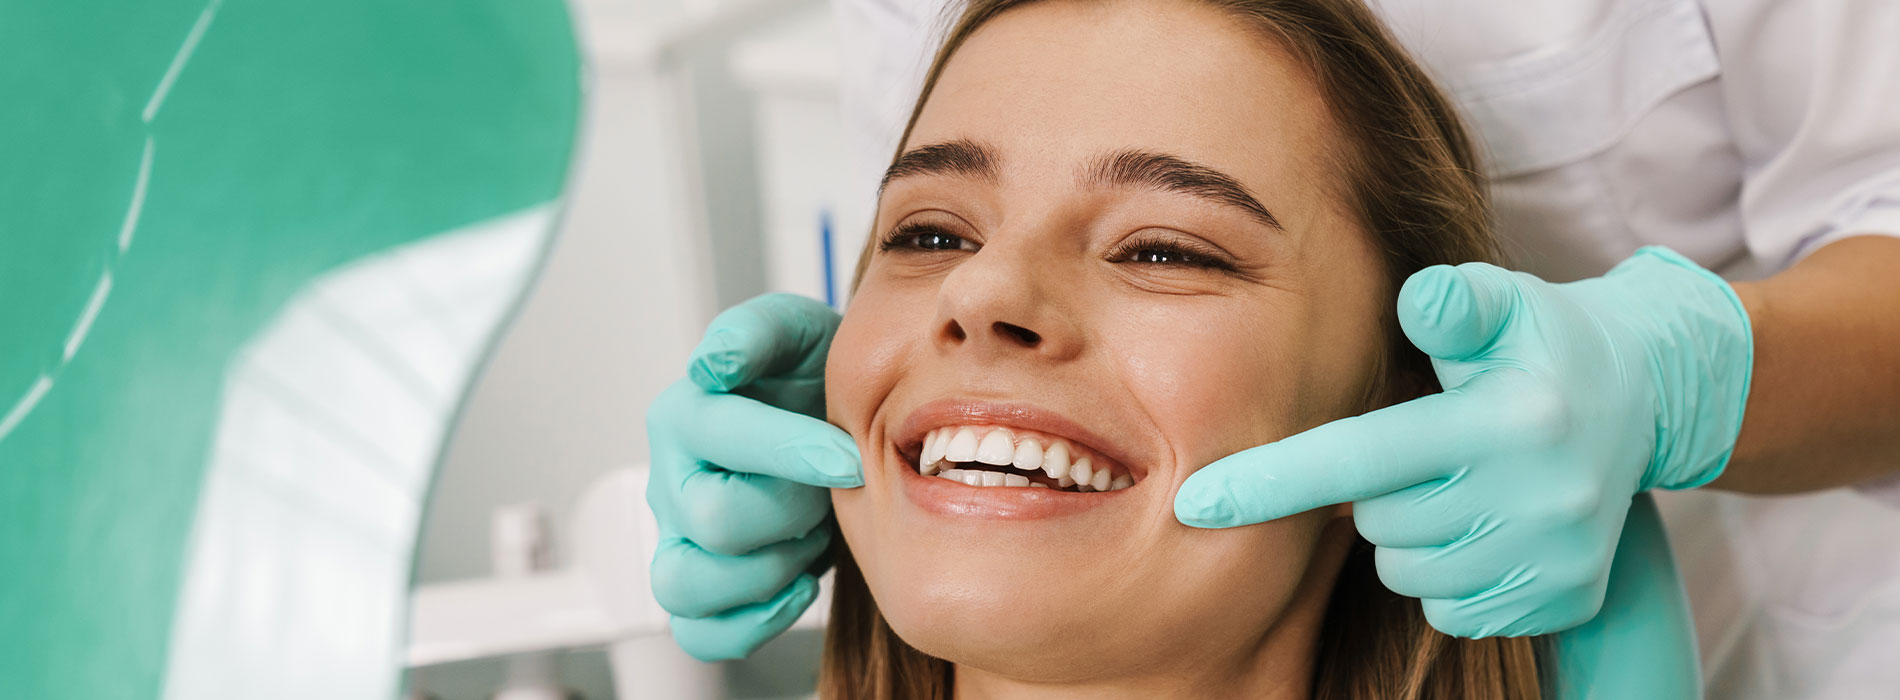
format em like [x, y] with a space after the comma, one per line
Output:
[1054, 85]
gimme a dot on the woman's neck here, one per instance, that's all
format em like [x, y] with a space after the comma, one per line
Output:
[1272, 674]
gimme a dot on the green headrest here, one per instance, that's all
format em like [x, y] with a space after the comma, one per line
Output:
[245, 247]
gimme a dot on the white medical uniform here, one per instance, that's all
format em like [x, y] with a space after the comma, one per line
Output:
[1741, 133]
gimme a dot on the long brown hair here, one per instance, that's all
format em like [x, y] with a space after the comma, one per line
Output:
[1413, 183]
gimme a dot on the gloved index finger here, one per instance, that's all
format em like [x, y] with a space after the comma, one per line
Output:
[743, 435]
[1350, 459]
[774, 334]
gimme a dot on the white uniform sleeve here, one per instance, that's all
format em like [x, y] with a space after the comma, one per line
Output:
[1813, 100]
[1814, 103]
[887, 46]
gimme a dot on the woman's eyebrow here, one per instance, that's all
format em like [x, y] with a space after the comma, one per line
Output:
[959, 157]
[1135, 168]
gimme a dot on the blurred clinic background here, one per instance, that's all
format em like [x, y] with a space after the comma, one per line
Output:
[327, 332]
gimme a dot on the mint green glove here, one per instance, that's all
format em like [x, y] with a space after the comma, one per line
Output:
[741, 460]
[1499, 501]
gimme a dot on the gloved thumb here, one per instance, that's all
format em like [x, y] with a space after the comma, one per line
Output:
[1454, 313]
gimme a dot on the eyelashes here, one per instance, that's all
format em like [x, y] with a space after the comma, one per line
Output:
[1141, 249]
[923, 237]
[1166, 251]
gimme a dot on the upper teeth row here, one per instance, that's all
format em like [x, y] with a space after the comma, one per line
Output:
[1063, 462]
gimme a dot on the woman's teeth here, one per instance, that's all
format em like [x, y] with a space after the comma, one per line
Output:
[954, 452]
[976, 477]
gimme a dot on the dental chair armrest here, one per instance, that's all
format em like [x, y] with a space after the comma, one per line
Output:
[484, 618]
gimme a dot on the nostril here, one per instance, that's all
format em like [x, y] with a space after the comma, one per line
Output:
[1022, 335]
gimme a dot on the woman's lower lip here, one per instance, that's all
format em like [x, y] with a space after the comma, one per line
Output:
[945, 497]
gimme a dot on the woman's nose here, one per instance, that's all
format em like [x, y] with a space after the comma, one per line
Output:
[998, 302]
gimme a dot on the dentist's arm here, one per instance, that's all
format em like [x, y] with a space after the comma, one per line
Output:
[1825, 407]
[1818, 134]
[741, 460]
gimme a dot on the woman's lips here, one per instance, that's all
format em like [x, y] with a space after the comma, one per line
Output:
[941, 419]
[957, 412]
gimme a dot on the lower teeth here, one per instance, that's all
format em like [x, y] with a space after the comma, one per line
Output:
[985, 477]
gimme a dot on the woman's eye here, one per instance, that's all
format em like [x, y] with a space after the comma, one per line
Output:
[1163, 256]
[1168, 255]
[926, 237]
[936, 241]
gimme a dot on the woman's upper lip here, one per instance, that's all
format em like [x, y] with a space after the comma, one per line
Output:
[943, 412]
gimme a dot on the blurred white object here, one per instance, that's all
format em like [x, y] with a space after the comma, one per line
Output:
[614, 539]
[523, 546]
[603, 599]
[327, 435]
[520, 540]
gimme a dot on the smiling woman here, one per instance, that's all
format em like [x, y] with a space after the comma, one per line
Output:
[1121, 240]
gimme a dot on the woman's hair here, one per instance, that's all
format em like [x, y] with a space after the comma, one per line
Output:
[1413, 183]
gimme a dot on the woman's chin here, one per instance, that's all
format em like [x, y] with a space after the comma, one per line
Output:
[1029, 622]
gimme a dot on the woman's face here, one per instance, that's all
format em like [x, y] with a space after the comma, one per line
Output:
[1116, 228]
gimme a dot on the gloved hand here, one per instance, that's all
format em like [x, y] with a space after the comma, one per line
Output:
[741, 459]
[1499, 501]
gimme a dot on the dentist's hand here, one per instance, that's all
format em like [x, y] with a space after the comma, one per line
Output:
[1500, 501]
[741, 460]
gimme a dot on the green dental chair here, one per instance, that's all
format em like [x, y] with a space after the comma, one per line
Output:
[251, 255]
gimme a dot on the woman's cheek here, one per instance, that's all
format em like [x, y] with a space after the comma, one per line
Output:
[850, 372]
[851, 380]
[1252, 397]
[868, 359]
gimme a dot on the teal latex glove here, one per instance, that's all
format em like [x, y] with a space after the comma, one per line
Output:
[1499, 501]
[741, 460]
